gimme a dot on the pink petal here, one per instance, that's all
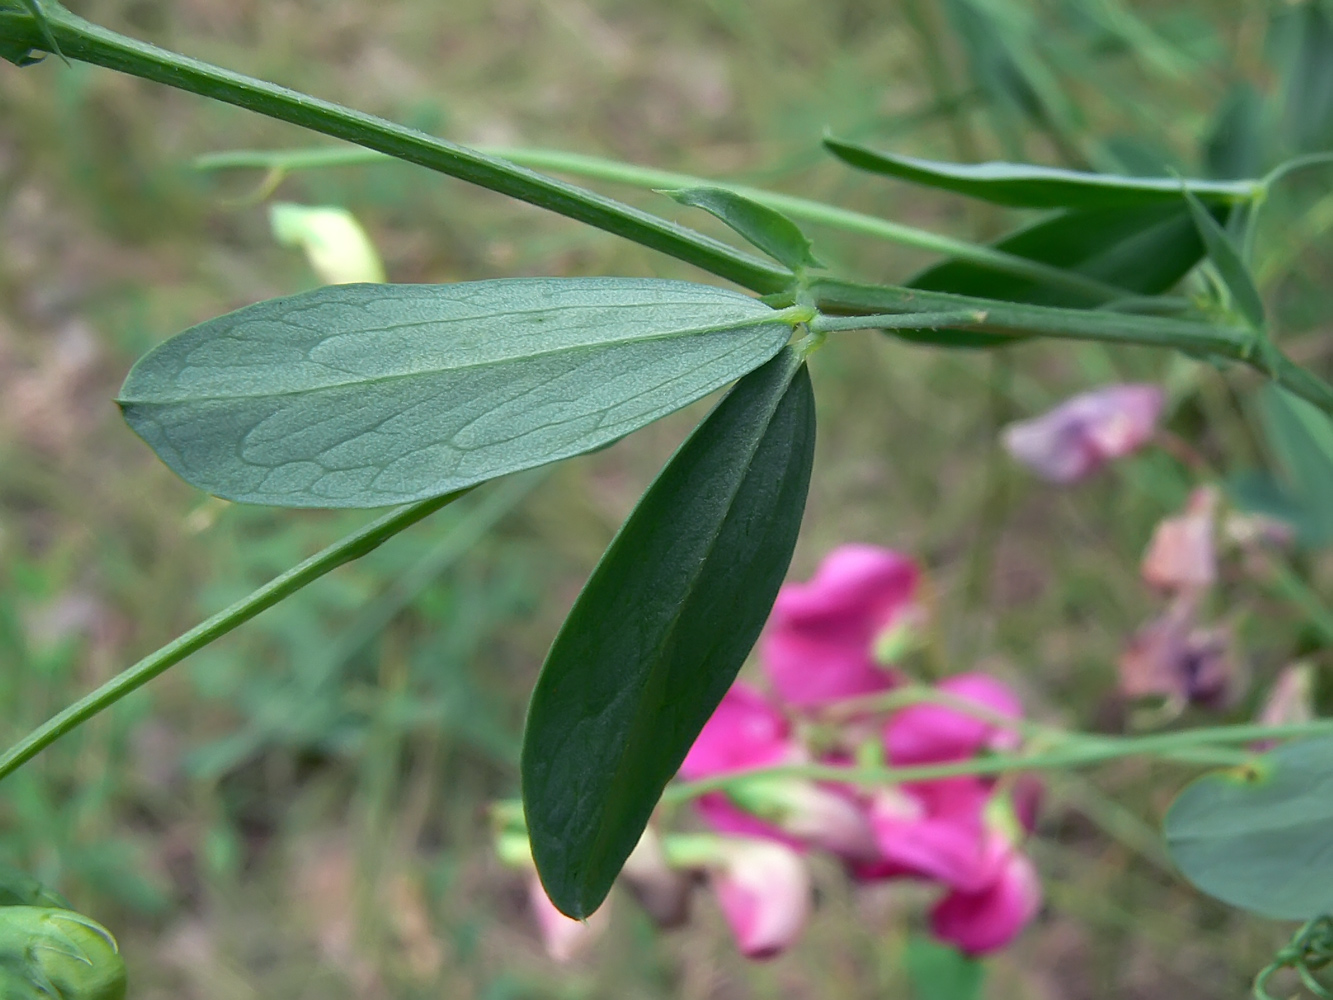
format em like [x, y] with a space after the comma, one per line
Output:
[1183, 550]
[931, 734]
[818, 646]
[744, 732]
[939, 835]
[988, 919]
[764, 890]
[1086, 431]
[724, 816]
[563, 936]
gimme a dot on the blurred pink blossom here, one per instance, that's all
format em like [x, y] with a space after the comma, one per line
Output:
[933, 733]
[1086, 431]
[744, 732]
[819, 645]
[933, 830]
[1183, 552]
[987, 918]
[764, 889]
[563, 936]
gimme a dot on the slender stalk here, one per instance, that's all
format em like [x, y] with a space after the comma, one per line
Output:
[1020, 320]
[1082, 753]
[87, 42]
[899, 321]
[354, 546]
[279, 162]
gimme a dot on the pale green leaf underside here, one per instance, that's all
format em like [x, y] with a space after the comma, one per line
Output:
[1262, 840]
[369, 395]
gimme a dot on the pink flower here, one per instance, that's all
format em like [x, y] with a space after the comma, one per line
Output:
[563, 936]
[744, 732]
[935, 733]
[1086, 431]
[989, 917]
[764, 889]
[1183, 552]
[819, 644]
[933, 830]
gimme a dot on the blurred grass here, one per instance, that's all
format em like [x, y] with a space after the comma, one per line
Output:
[288, 816]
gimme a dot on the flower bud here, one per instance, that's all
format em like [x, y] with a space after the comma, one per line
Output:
[764, 889]
[53, 954]
[338, 248]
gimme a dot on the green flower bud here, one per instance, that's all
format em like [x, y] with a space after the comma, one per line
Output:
[53, 954]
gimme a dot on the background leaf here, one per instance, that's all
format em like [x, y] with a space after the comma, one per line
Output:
[369, 395]
[940, 972]
[661, 629]
[1262, 838]
[1300, 436]
[1028, 186]
[767, 228]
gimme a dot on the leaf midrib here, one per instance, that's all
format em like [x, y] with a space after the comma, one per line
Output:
[429, 372]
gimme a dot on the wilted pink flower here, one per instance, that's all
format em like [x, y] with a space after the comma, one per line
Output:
[563, 936]
[662, 890]
[764, 889]
[1174, 658]
[1086, 431]
[819, 645]
[988, 918]
[933, 733]
[1290, 699]
[1183, 552]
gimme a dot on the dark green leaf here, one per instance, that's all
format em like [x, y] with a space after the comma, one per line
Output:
[1145, 250]
[1027, 186]
[1226, 258]
[368, 395]
[1261, 837]
[940, 972]
[767, 228]
[661, 629]
[1300, 436]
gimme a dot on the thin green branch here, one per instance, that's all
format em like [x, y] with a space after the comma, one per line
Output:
[87, 42]
[1019, 320]
[1084, 751]
[597, 168]
[354, 546]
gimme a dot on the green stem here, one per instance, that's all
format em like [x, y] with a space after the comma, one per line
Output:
[597, 168]
[1084, 752]
[354, 546]
[87, 42]
[1019, 320]
[899, 321]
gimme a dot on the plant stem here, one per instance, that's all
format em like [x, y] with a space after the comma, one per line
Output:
[87, 42]
[1083, 752]
[597, 168]
[354, 546]
[899, 321]
[1020, 320]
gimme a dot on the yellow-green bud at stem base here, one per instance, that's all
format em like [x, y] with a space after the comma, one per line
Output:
[53, 954]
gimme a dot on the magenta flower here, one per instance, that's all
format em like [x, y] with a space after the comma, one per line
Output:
[1086, 431]
[819, 645]
[744, 732]
[934, 733]
[989, 917]
[932, 830]
[764, 889]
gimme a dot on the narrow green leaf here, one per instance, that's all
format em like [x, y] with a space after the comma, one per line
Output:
[1301, 50]
[1261, 837]
[1028, 186]
[661, 629]
[1300, 437]
[940, 972]
[1226, 258]
[766, 228]
[368, 395]
[1143, 250]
